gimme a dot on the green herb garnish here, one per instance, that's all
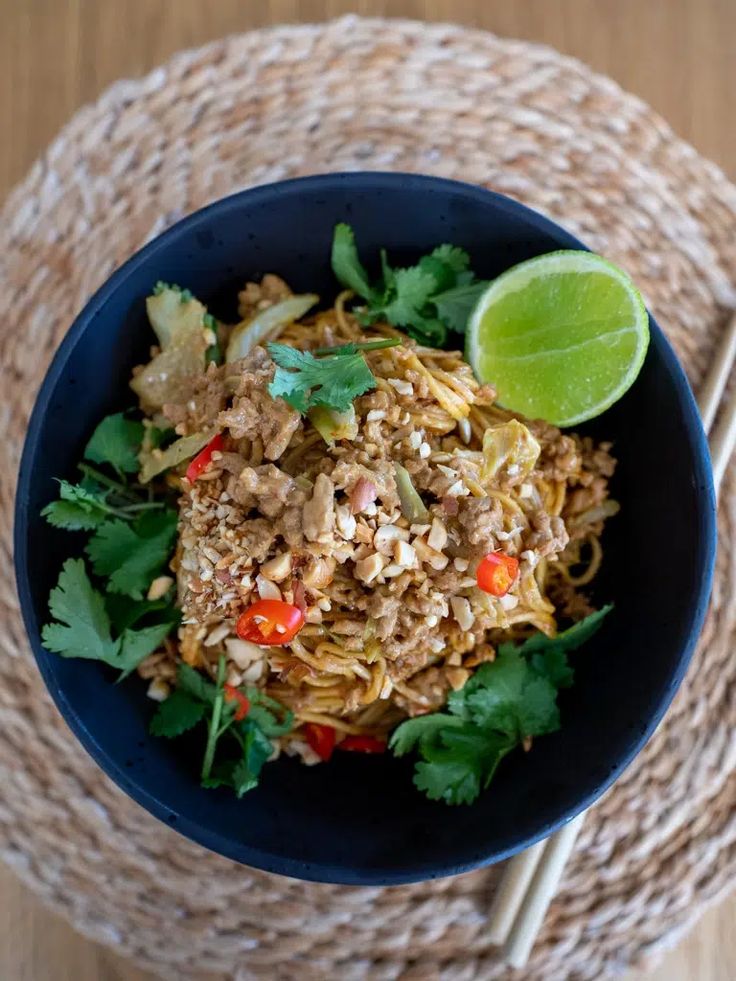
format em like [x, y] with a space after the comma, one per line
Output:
[130, 546]
[82, 625]
[132, 555]
[333, 381]
[426, 300]
[505, 702]
[196, 699]
[116, 441]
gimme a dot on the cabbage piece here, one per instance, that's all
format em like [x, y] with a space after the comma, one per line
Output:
[154, 462]
[510, 453]
[180, 329]
[168, 312]
[412, 506]
[333, 425]
[267, 324]
[598, 512]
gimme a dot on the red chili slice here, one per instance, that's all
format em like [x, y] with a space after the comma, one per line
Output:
[203, 459]
[270, 623]
[321, 739]
[496, 573]
[363, 744]
[233, 695]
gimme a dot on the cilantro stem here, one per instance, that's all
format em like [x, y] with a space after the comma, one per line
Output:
[363, 346]
[146, 506]
[106, 481]
[214, 725]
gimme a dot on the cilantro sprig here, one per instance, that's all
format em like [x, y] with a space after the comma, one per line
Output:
[427, 300]
[131, 543]
[505, 703]
[305, 381]
[197, 699]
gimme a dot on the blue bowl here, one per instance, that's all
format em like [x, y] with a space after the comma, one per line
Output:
[359, 820]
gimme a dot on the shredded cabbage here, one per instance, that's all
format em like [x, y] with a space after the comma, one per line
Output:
[180, 329]
[267, 324]
[412, 506]
[154, 462]
[333, 425]
[509, 452]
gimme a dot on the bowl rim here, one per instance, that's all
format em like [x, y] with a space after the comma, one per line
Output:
[201, 833]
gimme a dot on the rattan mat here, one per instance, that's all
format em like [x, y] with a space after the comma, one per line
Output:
[366, 94]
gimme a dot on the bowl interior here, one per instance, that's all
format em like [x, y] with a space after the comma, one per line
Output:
[359, 819]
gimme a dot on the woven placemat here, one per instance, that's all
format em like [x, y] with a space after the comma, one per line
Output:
[366, 94]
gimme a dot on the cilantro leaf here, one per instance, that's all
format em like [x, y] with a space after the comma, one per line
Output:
[196, 685]
[177, 714]
[257, 748]
[83, 629]
[455, 782]
[79, 508]
[412, 287]
[420, 732]
[116, 441]
[455, 259]
[548, 655]
[345, 262]
[273, 718]
[83, 626]
[125, 612]
[305, 381]
[455, 305]
[426, 299]
[132, 555]
[136, 645]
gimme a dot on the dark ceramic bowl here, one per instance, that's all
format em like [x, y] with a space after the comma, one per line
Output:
[359, 819]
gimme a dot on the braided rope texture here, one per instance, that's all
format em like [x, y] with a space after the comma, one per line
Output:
[359, 94]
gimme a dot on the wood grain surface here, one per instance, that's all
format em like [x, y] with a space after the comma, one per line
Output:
[55, 55]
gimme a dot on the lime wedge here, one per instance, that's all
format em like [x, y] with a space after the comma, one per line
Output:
[561, 337]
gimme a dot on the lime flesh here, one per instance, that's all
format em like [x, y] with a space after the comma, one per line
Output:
[561, 337]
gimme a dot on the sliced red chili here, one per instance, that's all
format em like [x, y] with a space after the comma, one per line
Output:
[496, 573]
[203, 459]
[232, 694]
[321, 739]
[270, 623]
[363, 744]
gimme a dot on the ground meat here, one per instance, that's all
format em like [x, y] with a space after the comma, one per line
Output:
[384, 609]
[266, 488]
[256, 538]
[203, 397]
[548, 535]
[319, 512]
[254, 414]
[257, 296]
[479, 520]
[559, 458]
[290, 526]
[231, 463]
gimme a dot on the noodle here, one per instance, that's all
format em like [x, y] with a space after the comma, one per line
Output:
[373, 651]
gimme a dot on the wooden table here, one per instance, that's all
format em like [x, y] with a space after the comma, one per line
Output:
[57, 54]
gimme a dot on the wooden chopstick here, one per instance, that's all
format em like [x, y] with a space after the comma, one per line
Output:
[511, 890]
[723, 439]
[531, 878]
[715, 383]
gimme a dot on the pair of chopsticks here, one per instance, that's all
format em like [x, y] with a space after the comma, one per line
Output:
[530, 879]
